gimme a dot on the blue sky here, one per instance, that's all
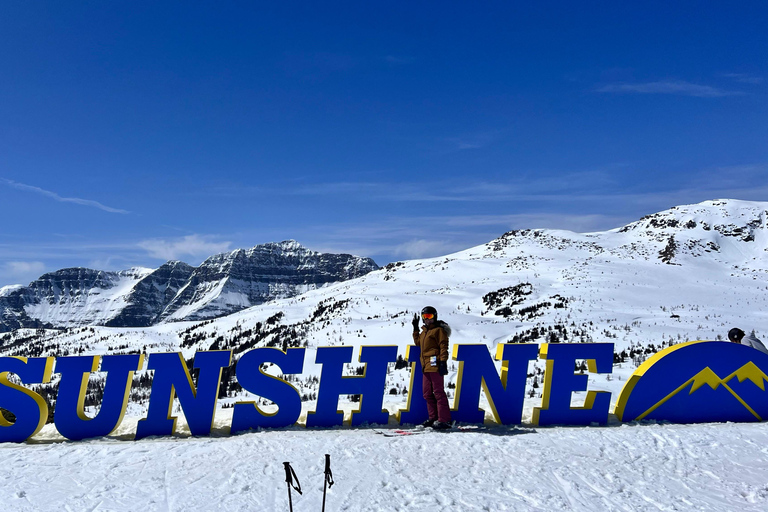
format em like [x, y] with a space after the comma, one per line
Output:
[136, 132]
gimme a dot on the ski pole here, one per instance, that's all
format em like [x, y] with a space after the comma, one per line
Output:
[290, 476]
[328, 477]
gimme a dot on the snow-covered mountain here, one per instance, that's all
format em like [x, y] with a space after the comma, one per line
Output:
[691, 272]
[140, 297]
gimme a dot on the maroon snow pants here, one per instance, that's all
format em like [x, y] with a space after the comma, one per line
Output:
[434, 394]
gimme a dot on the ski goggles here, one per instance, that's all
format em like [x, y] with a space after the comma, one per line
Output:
[427, 316]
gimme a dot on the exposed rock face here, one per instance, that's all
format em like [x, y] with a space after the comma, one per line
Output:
[71, 296]
[139, 297]
[150, 296]
[12, 314]
[244, 278]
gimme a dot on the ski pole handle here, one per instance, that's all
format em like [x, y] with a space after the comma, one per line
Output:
[328, 472]
[287, 466]
[328, 478]
[290, 476]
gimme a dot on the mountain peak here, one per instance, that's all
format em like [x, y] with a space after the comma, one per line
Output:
[286, 246]
[730, 217]
[752, 372]
[7, 290]
[290, 244]
[705, 376]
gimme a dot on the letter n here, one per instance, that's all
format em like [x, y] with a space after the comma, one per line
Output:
[70, 418]
[505, 392]
[171, 379]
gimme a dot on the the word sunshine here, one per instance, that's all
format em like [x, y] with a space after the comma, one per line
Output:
[477, 370]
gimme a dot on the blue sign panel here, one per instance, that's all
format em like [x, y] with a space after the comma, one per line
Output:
[698, 382]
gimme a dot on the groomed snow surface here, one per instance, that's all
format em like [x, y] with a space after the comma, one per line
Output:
[718, 467]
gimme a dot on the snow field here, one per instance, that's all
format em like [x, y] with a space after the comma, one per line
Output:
[648, 467]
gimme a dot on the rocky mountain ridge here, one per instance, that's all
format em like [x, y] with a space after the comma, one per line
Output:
[140, 297]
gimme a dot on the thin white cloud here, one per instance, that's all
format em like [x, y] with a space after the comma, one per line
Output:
[23, 268]
[424, 248]
[536, 220]
[529, 191]
[19, 272]
[576, 188]
[745, 78]
[57, 197]
[343, 187]
[677, 87]
[110, 262]
[456, 191]
[197, 246]
[433, 236]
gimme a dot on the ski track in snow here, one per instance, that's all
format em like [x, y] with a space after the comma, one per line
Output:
[717, 467]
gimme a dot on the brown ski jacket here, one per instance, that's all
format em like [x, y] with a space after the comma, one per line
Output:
[433, 342]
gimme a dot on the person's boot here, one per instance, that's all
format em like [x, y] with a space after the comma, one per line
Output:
[441, 425]
[428, 423]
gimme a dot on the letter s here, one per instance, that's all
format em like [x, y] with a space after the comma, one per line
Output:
[30, 409]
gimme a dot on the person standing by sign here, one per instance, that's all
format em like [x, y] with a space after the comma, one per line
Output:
[433, 341]
[736, 335]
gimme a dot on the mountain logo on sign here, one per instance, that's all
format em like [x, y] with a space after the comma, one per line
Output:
[706, 377]
[655, 390]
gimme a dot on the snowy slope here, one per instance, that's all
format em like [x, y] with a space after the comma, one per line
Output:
[712, 467]
[629, 286]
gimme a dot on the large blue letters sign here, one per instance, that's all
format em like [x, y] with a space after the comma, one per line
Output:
[415, 411]
[505, 392]
[560, 381]
[248, 415]
[70, 418]
[173, 379]
[370, 386]
[697, 382]
[30, 409]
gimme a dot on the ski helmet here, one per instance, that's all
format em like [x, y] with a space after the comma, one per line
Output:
[430, 311]
[735, 334]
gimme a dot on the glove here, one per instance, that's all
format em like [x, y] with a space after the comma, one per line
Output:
[442, 367]
[415, 322]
